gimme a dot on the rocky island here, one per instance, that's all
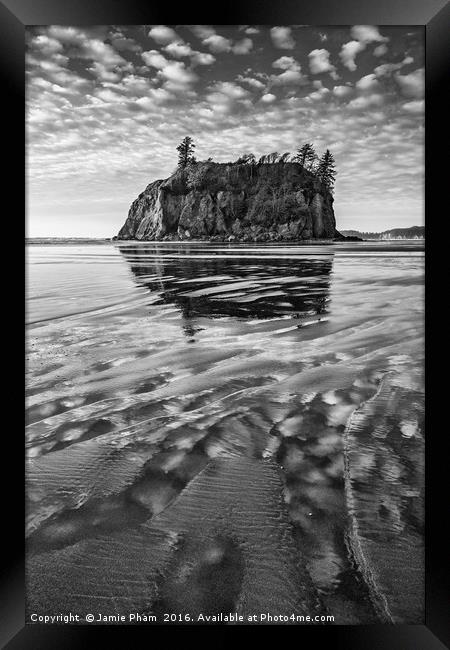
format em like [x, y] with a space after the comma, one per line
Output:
[280, 201]
[277, 198]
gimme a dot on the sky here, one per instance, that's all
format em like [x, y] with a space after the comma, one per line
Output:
[108, 105]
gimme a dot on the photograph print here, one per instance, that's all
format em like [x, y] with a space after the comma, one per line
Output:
[225, 325]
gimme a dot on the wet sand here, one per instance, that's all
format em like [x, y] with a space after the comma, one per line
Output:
[216, 428]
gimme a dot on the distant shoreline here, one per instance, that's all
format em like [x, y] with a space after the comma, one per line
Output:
[67, 240]
[36, 241]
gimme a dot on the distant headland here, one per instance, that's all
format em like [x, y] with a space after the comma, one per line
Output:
[414, 232]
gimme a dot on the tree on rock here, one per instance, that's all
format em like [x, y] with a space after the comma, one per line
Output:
[246, 159]
[326, 170]
[306, 155]
[186, 152]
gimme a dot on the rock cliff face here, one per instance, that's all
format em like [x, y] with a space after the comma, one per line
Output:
[215, 201]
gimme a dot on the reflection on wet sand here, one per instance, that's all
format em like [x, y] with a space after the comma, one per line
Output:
[224, 285]
[207, 421]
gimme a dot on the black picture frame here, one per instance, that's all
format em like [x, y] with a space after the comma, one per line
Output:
[434, 15]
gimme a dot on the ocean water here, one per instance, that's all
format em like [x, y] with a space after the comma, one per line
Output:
[226, 428]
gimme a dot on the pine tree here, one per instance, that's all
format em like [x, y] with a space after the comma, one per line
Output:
[306, 156]
[326, 170]
[186, 152]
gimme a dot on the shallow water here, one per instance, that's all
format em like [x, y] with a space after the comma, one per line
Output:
[280, 379]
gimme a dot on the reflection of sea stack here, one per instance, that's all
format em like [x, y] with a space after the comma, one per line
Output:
[242, 202]
[228, 285]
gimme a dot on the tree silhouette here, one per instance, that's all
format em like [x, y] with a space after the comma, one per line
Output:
[273, 157]
[186, 152]
[306, 156]
[246, 159]
[326, 170]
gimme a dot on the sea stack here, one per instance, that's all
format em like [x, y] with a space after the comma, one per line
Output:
[279, 201]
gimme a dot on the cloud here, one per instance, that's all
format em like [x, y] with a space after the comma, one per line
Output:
[83, 45]
[104, 73]
[120, 42]
[380, 50]
[226, 97]
[282, 38]
[252, 30]
[286, 63]
[217, 43]
[348, 53]
[178, 49]
[106, 63]
[41, 62]
[202, 31]
[231, 89]
[413, 84]
[243, 47]
[254, 83]
[342, 91]
[102, 53]
[366, 101]
[319, 94]
[66, 35]
[155, 96]
[367, 34]
[163, 34]
[108, 95]
[133, 85]
[319, 62]
[155, 59]
[387, 68]
[268, 98]
[177, 73]
[202, 58]
[174, 73]
[416, 106]
[362, 35]
[288, 77]
[368, 83]
[46, 45]
[292, 71]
